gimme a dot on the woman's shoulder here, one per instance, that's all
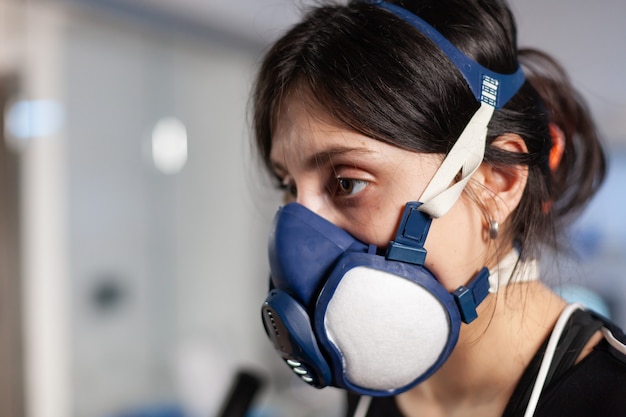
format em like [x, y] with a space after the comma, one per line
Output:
[612, 348]
[594, 386]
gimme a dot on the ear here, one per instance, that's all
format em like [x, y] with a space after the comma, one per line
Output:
[502, 186]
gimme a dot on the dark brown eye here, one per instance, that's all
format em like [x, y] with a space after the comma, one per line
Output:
[347, 186]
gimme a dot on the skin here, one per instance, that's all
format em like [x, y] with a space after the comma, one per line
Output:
[361, 185]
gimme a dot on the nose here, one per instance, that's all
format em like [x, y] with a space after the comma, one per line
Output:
[317, 203]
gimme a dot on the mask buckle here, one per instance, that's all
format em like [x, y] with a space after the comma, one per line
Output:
[468, 297]
[408, 246]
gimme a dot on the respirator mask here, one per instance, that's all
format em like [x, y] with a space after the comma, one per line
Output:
[340, 312]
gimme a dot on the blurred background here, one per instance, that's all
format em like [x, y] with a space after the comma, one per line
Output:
[133, 218]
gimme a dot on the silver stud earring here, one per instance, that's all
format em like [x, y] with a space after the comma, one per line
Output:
[493, 229]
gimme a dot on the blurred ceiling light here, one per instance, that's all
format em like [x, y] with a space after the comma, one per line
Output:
[169, 145]
[29, 119]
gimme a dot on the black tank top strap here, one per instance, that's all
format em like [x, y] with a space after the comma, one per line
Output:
[581, 326]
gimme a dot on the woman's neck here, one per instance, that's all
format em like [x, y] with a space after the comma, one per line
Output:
[490, 356]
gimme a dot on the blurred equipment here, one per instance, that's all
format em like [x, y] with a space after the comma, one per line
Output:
[244, 388]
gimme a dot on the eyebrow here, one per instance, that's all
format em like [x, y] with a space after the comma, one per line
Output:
[324, 157]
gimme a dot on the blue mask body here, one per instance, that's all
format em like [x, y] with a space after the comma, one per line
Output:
[340, 314]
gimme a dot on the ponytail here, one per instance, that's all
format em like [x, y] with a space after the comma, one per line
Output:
[577, 160]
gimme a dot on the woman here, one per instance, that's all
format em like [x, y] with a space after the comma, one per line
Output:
[427, 163]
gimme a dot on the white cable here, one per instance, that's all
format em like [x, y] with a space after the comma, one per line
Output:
[466, 156]
[548, 356]
[362, 406]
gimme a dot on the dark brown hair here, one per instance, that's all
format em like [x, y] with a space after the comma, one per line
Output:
[373, 73]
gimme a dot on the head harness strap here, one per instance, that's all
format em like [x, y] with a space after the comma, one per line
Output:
[488, 86]
[491, 89]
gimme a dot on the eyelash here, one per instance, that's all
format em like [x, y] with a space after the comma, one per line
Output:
[354, 183]
[334, 187]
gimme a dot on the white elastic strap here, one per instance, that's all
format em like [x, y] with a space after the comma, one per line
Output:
[362, 406]
[619, 346]
[548, 356]
[502, 274]
[466, 156]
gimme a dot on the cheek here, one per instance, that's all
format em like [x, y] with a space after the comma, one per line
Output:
[376, 220]
[377, 225]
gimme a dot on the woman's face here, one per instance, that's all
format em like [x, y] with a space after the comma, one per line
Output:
[361, 185]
